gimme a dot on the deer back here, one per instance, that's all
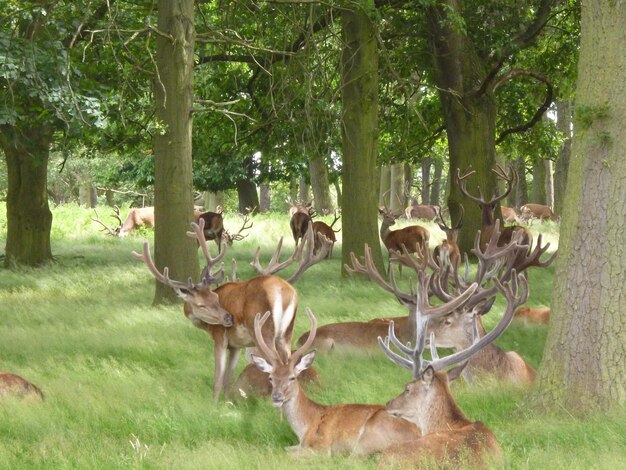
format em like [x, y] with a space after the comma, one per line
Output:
[540, 315]
[421, 211]
[213, 225]
[299, 224]
[16, 386]
[408, 236]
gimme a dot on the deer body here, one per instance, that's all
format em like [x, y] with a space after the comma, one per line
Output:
[509, 215]
[413, 237]
[538, 211]
[539, 315]
[137, 217]
[327, 231]
[213, 226]
[421, 211]
[448, 435]
[449, 248]
[299, 224]
[14, 385]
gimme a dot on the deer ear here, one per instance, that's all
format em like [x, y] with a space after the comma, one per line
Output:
[428, 375]
[261, 364]
[455, 372]
[184, 294]
[305, 362]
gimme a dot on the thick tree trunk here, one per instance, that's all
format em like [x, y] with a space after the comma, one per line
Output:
[360, 134]
[519, 194]
[304, 195]
[319, 184]
[173, 195]
[425, 192]
[264, 199]
[583, 367]
[549, 183]
[396, 197]
[338, 192]
[563, 123]
[384, 190]
[470, 117]
[246, 190]
[29, 219]
[213, 200]
[539, 182]
[435, 188]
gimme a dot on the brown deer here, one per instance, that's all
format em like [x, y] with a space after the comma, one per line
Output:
[449, 437]
[448, 248]
[421, 211]
[538, 211]
[540, 315]
[214, 228]
[412, 237]
[509, 215]
[227, 312]
[12, 385]
[327, 231]
[488, 207]
[331, 429]
[138, 217]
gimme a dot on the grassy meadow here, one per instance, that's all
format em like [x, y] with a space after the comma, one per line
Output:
[129, 385]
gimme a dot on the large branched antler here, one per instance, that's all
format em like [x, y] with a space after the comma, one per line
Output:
[208, 277]
[106, 228]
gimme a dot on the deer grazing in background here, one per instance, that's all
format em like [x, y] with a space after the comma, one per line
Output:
[331, 429]
[327, 231]
[137, 217]
[412, 237]
[448, 436]
[214, 228]
[538, 211]
[301, 215]
[12, 385]
[509, 215]
[448, 248]
[488, 207]
[540, 315]
[421, 211]
[227, 312]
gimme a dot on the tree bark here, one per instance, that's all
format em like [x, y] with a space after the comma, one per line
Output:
[583, 367]
[396, 198]
[359, 79]
[304, 194]
[246, 190]
[385, 186]
[435, 188]
[563, 124]
[265, 199]
[29, 220]
[539, 182]
[425, 192]
[319, 184]
[549, 183]
[173, 195]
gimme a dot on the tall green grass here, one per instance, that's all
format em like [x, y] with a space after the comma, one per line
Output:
[128, 385]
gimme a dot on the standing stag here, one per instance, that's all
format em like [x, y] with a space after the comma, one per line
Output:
[488, 207]
[538, 211]
[331, 429]
[301, 215]
[421, 211]
[412, 237]
[227, 312]
[448, 436]
[448, 248]
[327, 231]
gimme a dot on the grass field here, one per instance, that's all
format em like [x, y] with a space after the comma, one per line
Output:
[129, 385]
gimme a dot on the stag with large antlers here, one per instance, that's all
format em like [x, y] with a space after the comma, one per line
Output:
[346, 428]
[227, 312]
[488, 207]
[448, 435]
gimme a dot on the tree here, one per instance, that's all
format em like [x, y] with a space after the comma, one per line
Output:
[173, 196]
[360, 133]
[583, 366]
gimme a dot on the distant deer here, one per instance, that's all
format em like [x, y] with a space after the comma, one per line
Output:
[540, 315]
[214, 228]
[301, 215]
[327, 231]
[412, 237]
[421, 211]
[137, 217]
[227, 312]
[538, 211]
[509, 215]
[488, 206]
[448, 436]
[12, 385]
[448, 247]
[330, 429]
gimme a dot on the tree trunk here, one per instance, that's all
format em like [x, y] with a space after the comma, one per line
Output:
[519, 194]
[212, 200]
[549, 183]
[29, 219]
[173, 195]
[246, 190]
[470, 117]
[436, 183]
[359, 79]
[338, 191]
[320, 186]
[265, 200]
[563, 124]
[539, 182]
[385, 186]
[425, 192]
[396, 198]
[583, 367]
[303, 190]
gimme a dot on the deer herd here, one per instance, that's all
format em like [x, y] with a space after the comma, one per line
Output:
[422, 425]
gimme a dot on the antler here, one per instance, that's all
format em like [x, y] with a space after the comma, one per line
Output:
[461, 181]
[207, 276]
[109, 230]
[303, 254]
[270, 353]
[532, 258]
[161, 277]
[238, 236]
[442, 223]
[295, 356]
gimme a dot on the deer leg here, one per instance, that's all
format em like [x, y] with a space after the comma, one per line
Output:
[233, 357]
[220, 366]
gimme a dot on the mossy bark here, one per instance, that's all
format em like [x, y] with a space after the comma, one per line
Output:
[539, 182]
[319, 184]
[29, 220]
[564, 122]
[360, 134]
[173, 195]
[396, 196]
[583, 366]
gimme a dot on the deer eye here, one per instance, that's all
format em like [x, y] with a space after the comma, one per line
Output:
[447, 322]
[292, 379]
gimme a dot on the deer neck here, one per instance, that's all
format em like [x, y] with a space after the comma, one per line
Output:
[301, 412]
[487, 215]
[442, 413]
[384, 230]
[487, 358]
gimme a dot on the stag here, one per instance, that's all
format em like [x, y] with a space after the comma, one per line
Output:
[412, 237]
[327, 231]
[448, 248]
[488, 207]
[421, 211]
[227, 312]
[538, 211]
[448, 436]
[331, 429]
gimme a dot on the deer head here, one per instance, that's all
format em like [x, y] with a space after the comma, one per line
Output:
[283, 374]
